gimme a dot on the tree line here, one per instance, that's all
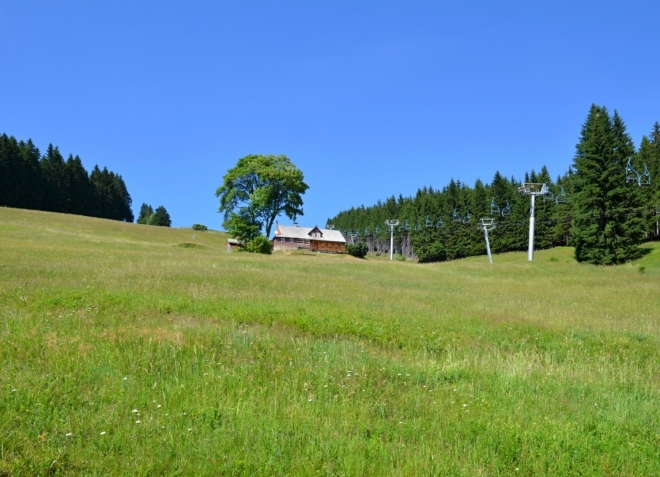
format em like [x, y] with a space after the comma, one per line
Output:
[47, 182]
[599, 205]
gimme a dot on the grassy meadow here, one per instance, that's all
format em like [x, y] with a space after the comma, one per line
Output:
[123, 352]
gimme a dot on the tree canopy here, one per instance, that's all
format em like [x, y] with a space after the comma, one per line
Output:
[256, 191]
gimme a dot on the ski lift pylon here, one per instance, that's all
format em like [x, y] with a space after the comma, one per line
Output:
[429, 222]
[455, 217]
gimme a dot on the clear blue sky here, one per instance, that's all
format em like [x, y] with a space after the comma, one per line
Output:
[369, 99]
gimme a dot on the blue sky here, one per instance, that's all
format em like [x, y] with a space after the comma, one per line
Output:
[369, 99]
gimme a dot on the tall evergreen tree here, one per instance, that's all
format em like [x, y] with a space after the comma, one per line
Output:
[80, 194]
[31, 185]
[145, 212]
[160, 218]
[604, 230]
[55, 181]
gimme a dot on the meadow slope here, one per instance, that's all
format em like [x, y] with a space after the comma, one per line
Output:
[124, 353]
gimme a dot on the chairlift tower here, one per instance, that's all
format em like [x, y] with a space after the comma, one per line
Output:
[486, 224]
[392, 224]
[532, 189]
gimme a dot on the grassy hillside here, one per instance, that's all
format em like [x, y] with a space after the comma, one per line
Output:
[124, 353]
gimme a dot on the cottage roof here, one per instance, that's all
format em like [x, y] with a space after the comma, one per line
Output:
[292, 231]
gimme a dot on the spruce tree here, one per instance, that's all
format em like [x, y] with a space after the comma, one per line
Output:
[32, 187]
[80, 193]
[55, 180]
[604, 232]
[145, 212]
[160, 218]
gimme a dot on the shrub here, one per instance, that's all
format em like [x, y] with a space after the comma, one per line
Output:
[200, 227]
[358, 250]
[433, 252]
[260, 244]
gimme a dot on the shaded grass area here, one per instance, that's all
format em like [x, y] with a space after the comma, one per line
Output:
[236, 364]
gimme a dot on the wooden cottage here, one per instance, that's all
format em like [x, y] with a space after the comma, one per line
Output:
[293, 237]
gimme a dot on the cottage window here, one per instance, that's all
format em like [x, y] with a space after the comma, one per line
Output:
[282, 239]
[291, 240]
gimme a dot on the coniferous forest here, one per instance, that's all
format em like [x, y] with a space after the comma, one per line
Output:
[604, 205]
[29, 180]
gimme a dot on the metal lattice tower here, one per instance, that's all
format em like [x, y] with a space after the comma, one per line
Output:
[455, 217]
[487, 224]
[428, 222]
[466, 219]
[391, 223]
[440, 223]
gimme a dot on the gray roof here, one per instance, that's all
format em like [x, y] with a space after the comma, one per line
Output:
[291, 231]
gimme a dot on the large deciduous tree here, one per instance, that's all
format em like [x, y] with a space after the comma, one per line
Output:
[257, 190]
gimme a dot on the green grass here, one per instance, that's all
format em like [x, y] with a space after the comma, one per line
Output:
[307, 364]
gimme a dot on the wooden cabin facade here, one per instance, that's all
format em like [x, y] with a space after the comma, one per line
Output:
[293, 237]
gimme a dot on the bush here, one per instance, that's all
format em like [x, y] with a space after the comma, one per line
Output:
[433, 252]
[358, 250]
[428, 246]
[200, 227]
[260, 244]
